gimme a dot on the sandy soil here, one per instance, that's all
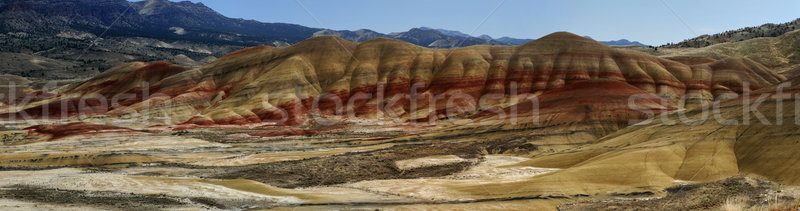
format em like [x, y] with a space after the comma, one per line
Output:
[490, 171]
[343, 168]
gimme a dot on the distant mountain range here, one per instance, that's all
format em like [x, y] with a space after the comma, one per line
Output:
[622, 42]
[80, 38]
[423, 36]
[443, 38]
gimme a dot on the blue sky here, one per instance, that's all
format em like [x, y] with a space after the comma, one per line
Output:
[648, 21]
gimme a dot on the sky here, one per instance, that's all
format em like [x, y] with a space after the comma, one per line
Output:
[652, 22]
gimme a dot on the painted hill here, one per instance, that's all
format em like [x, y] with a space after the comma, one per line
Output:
[378, 78]
[620, 42]
[579, 113]
[654, 156]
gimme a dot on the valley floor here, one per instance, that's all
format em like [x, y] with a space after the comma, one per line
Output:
[376, 165]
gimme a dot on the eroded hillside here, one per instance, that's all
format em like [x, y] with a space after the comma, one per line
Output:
[560, 122]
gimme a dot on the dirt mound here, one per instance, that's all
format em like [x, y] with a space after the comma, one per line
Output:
[74, 129]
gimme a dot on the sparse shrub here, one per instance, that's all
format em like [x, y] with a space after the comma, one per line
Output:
[180, 133]
[734, 204]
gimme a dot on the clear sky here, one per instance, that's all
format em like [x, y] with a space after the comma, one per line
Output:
[647, 21]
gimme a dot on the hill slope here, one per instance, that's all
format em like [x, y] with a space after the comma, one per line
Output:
[379, 78]
[651, 157]
[766, 30]
[777, 53]
[180, 32]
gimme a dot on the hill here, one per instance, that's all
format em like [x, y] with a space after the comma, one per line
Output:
[647, 158]
[777, 53]
[238, 86]
[766, 30]
[75, 36]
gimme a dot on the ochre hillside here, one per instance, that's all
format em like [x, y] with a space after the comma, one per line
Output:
[376, 79]
[683, 146]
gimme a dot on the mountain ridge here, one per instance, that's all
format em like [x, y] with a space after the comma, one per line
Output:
[69, 32]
